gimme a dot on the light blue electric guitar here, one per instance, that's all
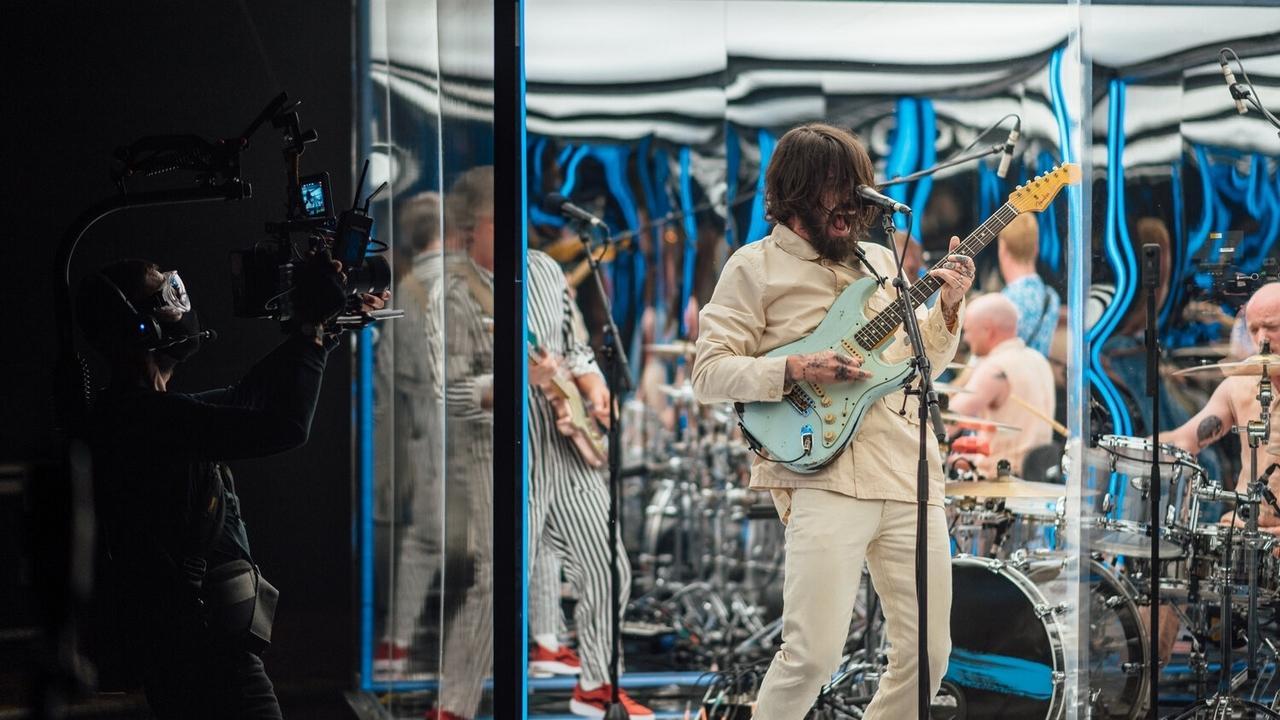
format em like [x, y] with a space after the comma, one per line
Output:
[812, 424]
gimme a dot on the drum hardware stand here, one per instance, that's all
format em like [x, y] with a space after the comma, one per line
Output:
[929, 418]
[1150, 277]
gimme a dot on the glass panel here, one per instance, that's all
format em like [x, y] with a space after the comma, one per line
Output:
[1177, 168]
[626, 122]
[666, 140]
[465, 340]
[410, 412]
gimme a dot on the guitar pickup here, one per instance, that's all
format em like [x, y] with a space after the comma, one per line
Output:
[799, 399]
[849, 348]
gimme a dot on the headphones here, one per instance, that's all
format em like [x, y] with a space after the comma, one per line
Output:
[123, 324]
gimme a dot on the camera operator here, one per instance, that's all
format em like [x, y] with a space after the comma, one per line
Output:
[187, 606]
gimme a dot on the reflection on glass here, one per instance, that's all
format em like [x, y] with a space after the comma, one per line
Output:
[464, 339]
[1179, 171]
[410, 576]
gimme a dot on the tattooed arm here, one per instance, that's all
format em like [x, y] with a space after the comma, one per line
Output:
[1208, 426]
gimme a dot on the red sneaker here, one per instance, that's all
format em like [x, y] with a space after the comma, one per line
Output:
[390, 661]
[592, 704]
[561, 661]
[442, 715]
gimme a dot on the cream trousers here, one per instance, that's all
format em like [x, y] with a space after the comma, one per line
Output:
[829, 535]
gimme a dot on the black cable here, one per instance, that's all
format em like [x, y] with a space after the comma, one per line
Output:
[1252, 95]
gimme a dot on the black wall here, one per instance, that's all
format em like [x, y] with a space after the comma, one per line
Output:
[85, 77]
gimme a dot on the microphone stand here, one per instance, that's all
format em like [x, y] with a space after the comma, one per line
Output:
[929, 414]
[618, 379]
[1150, 274]
[987, 152]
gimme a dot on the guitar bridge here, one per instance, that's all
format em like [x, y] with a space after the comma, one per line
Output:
[799, 399]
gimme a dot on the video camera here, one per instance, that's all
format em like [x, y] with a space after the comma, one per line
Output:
[263, 275]
[1222, 281]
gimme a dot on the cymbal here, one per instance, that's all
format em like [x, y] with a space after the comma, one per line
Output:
[1252, 365]
[949, 389]
[958, 366]
[1013, 487]
[1219, 350]
[678, 348]
[976, 423]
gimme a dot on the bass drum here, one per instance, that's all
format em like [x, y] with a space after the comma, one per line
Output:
[1007, 645]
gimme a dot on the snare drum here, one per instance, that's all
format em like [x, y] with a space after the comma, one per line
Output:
[1122, 520]
[997, 529]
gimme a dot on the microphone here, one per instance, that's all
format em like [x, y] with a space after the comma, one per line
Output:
[873, 196]
[1230, 77]
[1006, 155]
[557, 204]
[203, 336]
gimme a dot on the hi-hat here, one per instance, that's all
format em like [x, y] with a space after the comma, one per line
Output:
[949, 389]
[1252, 365]
[678, 348]
[976, 423]
[1013, 487]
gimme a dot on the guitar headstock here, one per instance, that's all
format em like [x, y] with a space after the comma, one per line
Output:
[1041, 190]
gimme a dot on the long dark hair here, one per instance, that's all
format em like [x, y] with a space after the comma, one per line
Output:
[814, 158]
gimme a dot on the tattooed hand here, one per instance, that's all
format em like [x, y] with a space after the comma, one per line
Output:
[956, 274]
[825, 367]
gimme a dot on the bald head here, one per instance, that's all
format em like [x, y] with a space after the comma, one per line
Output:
[1262, 316]
[990, 320]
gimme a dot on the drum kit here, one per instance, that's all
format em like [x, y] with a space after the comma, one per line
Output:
[708, 554]
[706, 550]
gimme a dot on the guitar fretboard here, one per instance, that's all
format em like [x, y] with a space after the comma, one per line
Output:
[886, 323]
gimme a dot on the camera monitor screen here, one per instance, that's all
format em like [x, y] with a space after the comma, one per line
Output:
[314, 192]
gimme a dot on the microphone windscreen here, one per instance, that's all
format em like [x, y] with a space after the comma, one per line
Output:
[552, 202]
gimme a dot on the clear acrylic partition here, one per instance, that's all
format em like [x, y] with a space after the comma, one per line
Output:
[662, 129]
[1173, 165]
[426, 590]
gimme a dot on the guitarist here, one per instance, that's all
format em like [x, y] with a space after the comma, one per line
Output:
[568, 499]
[862, 505]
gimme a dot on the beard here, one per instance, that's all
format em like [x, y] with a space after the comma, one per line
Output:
[835, 249]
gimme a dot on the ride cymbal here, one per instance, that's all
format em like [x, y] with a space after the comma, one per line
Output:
[1253, 365]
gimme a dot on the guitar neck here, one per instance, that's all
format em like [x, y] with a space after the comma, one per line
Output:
[885, 324]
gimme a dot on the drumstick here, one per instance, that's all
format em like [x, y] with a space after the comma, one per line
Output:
[1057, 426]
